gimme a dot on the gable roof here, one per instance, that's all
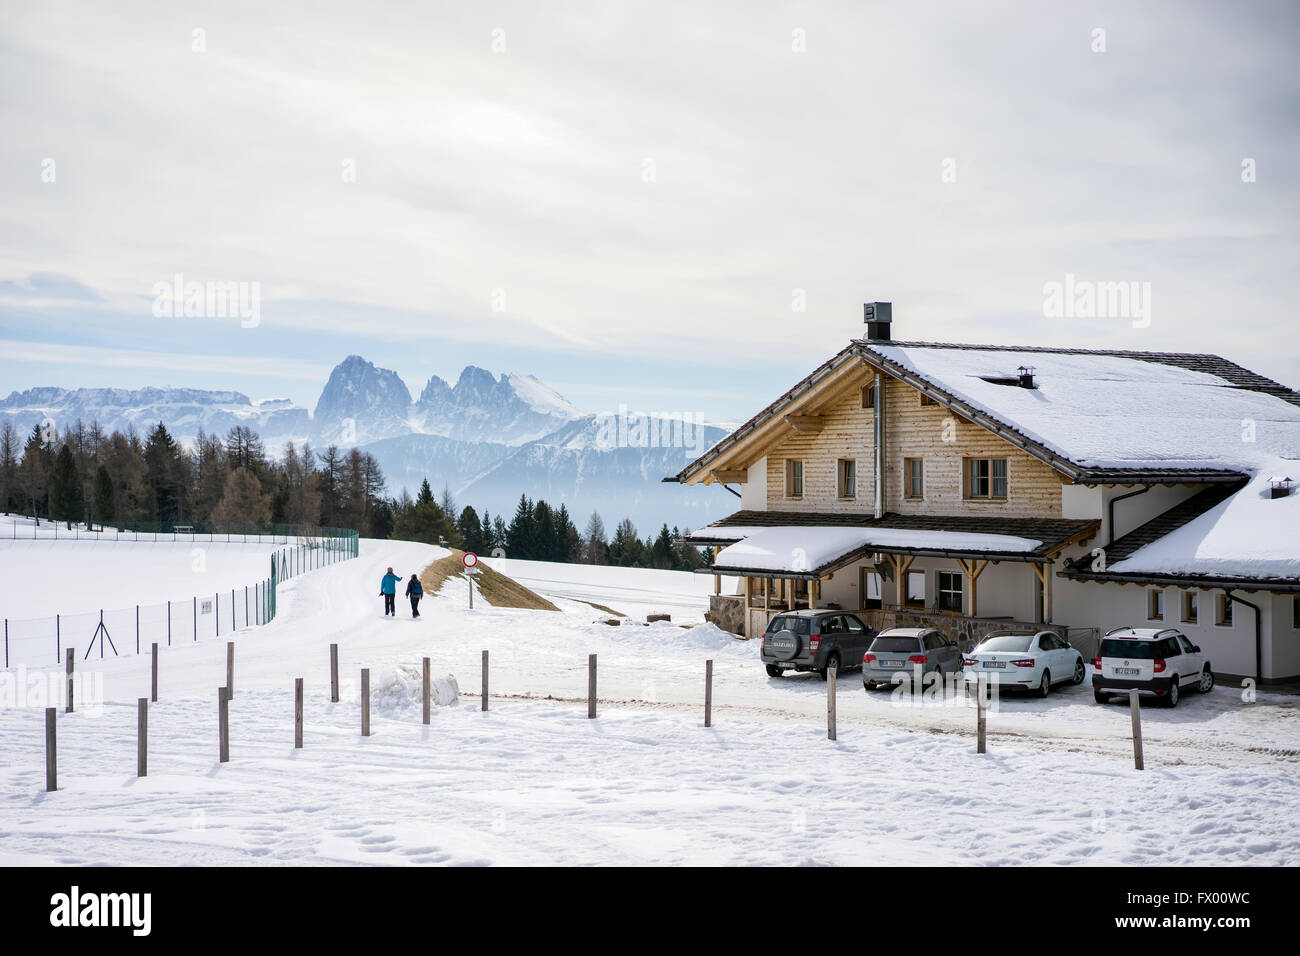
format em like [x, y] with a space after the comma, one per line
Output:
[1096, 416]
[1110, 415]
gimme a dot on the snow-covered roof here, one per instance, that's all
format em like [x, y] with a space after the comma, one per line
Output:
[1108, 410]
[805, 549]
[1249, 535]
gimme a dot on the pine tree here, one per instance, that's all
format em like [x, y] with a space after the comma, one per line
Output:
[521, 536]
[470, 530]
[105, 501]
[67, 502]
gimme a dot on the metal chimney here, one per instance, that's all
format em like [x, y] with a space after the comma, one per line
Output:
[877, 316]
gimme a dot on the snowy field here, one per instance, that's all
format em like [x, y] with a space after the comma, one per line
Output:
[633, 591]
[533, 781]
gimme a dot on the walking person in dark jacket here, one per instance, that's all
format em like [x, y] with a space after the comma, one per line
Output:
[414, 591]
[388, 591]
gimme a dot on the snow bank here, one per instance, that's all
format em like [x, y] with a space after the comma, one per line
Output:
[401, 690]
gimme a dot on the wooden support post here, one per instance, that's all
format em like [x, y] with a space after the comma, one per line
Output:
[708, 693]
[426, 690]
[297, 713]
[591, 686]
[365, 702]
[223, 724]
[153, 675]
[230, 669]
[334, 673]
[485, 681]
[142, 736]
[51, 757]
[67, 709]
[830, 702]
[1135, 710]
[981, 719]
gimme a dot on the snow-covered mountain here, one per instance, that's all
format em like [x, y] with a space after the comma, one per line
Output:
[488, 438]
[512, 409]
[597, 463]
[184, 410]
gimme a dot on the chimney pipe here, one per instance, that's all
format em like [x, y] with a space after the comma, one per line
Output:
[1027, 376]
[878, 316]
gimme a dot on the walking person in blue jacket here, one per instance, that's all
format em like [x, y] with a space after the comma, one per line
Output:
[414, 590]
[388, 590]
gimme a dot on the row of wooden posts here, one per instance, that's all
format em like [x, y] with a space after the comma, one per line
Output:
[226, 693]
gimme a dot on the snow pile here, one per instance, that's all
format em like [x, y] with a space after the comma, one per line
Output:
[401, 690]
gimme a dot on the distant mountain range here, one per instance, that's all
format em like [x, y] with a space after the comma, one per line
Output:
[488, 438]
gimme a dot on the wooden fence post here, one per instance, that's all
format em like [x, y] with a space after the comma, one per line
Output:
[223, 724]
[485, 680]
[153, 675]
[51, 759]
[334, 673]
[831, 673]
[981, 730]
[426, 690]
[142, 736]
[68, 706]
[1135, 711]
[230, 669]
[708, 693]
[365, 702]
[297, 713]
[591, 686]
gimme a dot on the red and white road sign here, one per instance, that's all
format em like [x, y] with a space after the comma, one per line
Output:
[470, 560]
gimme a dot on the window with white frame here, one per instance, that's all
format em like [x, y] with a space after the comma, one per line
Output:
[1223, 611]
[1191, 607]
[1155, 605]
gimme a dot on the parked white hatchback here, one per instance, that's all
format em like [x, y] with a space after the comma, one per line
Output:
[1032, 662]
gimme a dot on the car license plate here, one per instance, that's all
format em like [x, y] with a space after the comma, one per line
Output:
[1126, 672]
[1001, 664]
[891, 663]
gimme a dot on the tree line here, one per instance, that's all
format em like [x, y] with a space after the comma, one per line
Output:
[541, 532]
[85, 475]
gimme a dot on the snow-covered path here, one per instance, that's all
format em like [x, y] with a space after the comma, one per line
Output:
[534, 781]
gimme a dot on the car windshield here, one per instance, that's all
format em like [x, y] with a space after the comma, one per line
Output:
[896, 645]
[1134, 650]
[1007, 642]
[788, 623]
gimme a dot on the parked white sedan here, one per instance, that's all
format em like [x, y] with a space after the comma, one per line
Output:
[1032, 662]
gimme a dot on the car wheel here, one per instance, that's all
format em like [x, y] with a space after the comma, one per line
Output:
[1207, 681]
[832, 661]
[773, 670]
[1045, 684]
[1100, 698]
[1078, 672]
[1171, 697]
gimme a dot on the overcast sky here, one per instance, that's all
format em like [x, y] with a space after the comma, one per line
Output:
[632, 201]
